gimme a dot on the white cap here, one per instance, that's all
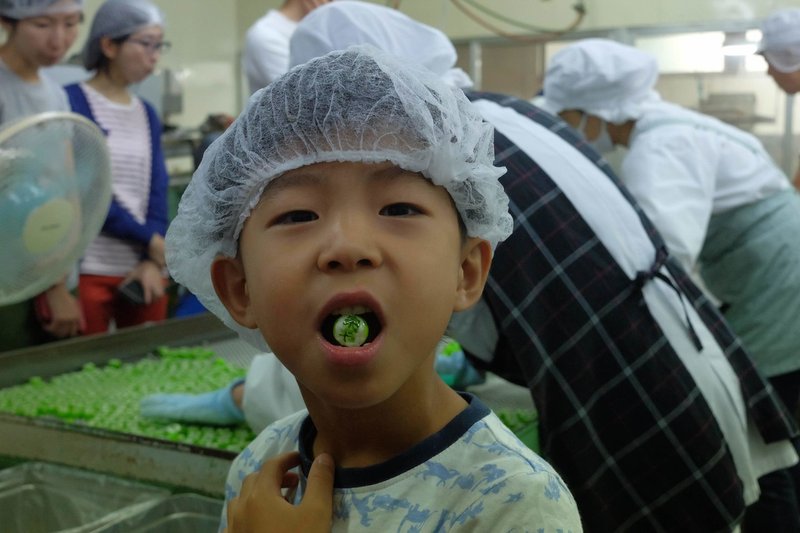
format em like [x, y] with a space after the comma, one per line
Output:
[118, 18]
[338, 25]
[601, 77]
[780, 40]
[22, 9]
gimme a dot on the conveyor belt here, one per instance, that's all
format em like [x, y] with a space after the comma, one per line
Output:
[176, 465]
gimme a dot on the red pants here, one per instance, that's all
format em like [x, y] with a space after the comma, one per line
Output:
[101, 303]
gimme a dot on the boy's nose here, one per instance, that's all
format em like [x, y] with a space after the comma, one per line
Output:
[349, 245]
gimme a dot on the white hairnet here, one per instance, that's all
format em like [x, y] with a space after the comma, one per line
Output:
[354, 105]
[338, 25]
[780, 39]
[603, 78]
[22, 9]
[118, 18]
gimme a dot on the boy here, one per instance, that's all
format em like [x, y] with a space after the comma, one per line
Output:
[359, 190]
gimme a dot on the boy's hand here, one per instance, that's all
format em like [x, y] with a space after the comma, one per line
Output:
[261, 506]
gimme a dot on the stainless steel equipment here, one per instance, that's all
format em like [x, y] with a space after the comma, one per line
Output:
[176, 465]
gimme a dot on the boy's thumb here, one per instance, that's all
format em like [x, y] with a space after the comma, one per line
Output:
[318, 497]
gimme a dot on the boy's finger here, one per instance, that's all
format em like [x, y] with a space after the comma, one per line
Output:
[318, 498]
[270, 477]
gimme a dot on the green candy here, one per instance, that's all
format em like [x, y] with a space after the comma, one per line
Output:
[350, 330]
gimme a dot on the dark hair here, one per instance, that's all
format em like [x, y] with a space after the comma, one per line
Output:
[8, 20]
[103, 62]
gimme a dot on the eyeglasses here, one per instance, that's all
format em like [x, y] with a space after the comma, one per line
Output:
[153, 46]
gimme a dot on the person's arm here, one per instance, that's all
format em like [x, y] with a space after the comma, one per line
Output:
[157, 217]
[672, 172]
[266, 55]
[261, 505]
[65, 311]
[148, 273]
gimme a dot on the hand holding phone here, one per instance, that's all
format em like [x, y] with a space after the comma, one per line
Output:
[133, 291]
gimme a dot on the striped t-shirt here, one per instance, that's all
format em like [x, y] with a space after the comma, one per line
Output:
[128, 137]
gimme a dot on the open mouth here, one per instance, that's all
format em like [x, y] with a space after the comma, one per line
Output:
[351, 326]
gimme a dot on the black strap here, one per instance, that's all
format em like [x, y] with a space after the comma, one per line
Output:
[643, 276]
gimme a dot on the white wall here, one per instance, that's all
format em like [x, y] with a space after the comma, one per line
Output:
[600, 14]
[207, 34]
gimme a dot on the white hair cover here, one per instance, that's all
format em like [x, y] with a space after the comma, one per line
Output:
[338, 25]
[780, 39]
[22, 9]
[118, 18]
[359, 104]
[601, 77]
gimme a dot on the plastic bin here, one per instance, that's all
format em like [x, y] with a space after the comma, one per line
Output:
[182, 513]
[45, 498]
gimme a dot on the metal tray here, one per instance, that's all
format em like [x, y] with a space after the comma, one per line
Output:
[179, 466]
[182, 513]
[39, 497]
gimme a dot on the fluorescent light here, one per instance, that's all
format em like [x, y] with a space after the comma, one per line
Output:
[741, 43]
[739, 49]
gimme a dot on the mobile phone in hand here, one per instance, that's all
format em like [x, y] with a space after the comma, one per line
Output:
[133, 291]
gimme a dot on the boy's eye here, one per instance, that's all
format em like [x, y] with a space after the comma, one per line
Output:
[399, 210]
[295, 217]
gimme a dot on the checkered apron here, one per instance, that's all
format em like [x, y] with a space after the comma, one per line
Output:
[621, 418]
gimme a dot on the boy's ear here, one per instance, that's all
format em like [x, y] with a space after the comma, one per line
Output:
[230, 284]
[476, 259]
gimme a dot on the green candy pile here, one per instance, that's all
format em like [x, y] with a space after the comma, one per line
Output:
[524, 423]
[108, 397]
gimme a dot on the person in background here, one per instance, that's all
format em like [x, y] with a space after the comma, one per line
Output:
[38, 34]
[719, 201]
[122, 272]
[780, 46]
[266, 43]
[347, 207]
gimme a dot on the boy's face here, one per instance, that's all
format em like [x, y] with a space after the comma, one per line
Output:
[369, 239]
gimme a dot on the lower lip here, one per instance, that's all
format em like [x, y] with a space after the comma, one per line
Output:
[351, 357]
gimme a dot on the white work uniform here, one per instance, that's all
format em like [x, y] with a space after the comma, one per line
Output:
[720, 201]
[266, 49]
[618, 227]
[691, 167]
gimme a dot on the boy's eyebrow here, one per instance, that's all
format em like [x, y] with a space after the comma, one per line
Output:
[279, 183]
[395, 171]
[306, 178]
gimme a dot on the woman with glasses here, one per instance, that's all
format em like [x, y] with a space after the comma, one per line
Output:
[122, 276]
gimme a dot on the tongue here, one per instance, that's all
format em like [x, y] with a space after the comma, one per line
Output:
[350, 330]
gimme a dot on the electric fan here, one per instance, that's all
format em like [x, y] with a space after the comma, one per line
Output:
[55, 189]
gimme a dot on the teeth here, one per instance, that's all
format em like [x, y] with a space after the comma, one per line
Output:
[352, 310]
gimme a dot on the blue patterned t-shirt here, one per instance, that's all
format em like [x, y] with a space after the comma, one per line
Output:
[473, 475]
